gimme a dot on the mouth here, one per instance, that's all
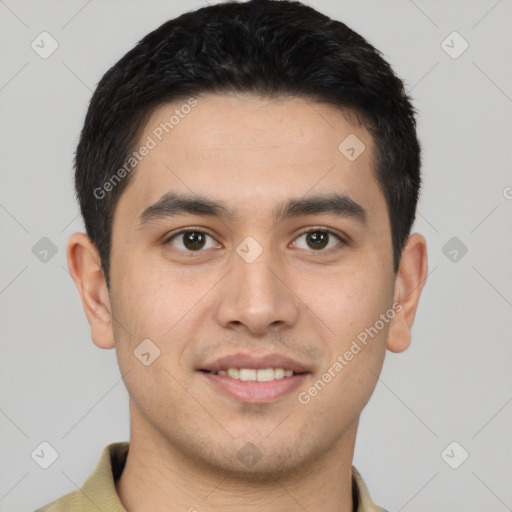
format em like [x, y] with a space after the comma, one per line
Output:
[255, 374]
[254, 380]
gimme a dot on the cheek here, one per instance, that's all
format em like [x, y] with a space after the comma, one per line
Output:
[150, 298]
[152, 302]
[151, 318]
[357, 307]
[354, 347]
[351, 301]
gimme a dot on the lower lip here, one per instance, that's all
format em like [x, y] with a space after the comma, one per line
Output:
[255, 392]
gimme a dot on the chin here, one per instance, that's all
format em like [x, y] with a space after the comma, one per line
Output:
[257, 462]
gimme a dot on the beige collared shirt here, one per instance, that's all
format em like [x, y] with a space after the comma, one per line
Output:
[99, 491]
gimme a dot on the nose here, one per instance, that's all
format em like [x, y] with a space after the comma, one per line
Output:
[257, 296]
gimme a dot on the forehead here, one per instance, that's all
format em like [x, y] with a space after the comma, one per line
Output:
[250, 151]
[247, 122]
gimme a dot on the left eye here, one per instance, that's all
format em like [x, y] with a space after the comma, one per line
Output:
[318, 239]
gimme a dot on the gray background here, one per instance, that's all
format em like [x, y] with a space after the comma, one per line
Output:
[453, 384]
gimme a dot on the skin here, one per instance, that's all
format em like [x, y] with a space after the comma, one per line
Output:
[307, 304]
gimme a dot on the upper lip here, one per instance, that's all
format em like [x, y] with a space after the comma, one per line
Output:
[255, 362]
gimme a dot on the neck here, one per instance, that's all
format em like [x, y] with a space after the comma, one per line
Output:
[158, 477]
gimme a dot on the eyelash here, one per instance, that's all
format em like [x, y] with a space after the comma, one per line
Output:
[342, 241]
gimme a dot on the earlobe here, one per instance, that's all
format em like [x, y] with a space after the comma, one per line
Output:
[85, 267]
[409, 283]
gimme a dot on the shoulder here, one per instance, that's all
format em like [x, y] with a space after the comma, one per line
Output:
[66, 503]
[98, 492]
[364, 500]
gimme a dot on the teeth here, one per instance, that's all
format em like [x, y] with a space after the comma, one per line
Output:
[234, 373]
[260, 375]
[265, 375]
[247, 374]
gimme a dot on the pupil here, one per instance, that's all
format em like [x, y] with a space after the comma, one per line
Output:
[318, 239]
[194, 240]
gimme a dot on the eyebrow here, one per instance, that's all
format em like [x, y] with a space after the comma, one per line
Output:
[172, 204]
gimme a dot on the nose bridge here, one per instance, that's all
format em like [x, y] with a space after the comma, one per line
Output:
[257, 280]
[256, 293]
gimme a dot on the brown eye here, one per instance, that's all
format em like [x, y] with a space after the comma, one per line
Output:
[191, 240]
[317, 240]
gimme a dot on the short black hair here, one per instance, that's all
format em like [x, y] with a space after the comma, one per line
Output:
[270, 48]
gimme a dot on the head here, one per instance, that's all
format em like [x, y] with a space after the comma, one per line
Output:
[286, 146]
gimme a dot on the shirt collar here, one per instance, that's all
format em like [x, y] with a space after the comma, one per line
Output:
[99, 490]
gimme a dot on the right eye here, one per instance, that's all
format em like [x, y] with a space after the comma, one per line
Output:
[191, 240]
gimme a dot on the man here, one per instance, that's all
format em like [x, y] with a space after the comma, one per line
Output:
[248, 176]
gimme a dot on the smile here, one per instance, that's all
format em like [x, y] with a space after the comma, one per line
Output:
[259, 375]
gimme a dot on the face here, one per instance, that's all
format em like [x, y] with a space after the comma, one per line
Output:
[281, 264]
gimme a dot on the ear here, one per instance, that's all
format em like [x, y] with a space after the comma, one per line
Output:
[85, 267]
[409, 283]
